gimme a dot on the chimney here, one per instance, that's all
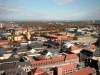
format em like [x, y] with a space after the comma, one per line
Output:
[59, 70]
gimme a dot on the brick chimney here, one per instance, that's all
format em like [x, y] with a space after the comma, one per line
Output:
[59, 70]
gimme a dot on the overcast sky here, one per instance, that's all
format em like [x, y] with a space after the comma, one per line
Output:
[29, 10]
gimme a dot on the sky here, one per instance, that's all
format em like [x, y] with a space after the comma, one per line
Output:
[30, 10]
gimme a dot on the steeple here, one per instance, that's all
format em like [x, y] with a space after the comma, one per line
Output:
[28, 35]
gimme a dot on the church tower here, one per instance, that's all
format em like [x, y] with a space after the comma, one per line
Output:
[28, 35]
[22, 31]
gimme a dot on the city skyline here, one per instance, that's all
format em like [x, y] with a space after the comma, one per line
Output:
[28, 10]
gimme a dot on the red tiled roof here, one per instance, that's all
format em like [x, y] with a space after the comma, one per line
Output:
[19, 29]
[68, 66]
[73, 47]
[59, 36]
[37, 70]
[55, 59]
[40, 56]
[91, 47]
[39, 62]
[71, 56]
[2, 44]
[4, 40]
[40, 31]
[9, 27]
[50, 35]
[85, 71]
[69, 38]
[30, 29]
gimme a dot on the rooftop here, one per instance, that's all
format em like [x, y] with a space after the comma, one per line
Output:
[91, 47]
[85, 71]
[44, 73]
[68, 66]
[71, 56]
[37, 70]
[15, 71]
[13, 65]
[73, 47]
[55, 59]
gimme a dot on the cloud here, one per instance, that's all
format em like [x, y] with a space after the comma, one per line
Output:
[98, 8]
[10, 10]
[82, 6]
[13, 11]
[8, 7]
[93, 14]
[62, 2]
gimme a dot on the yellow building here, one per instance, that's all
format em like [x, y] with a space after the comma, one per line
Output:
[16, 36]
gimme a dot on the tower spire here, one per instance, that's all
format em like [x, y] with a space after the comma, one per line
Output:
[28, 35]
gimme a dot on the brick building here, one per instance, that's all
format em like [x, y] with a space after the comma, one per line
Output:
[62, 70]
[58, 36]
[85, 71]
[66, 69]
[74, 49]
[56, 61]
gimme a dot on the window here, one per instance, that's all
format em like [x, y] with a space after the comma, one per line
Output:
[71, 70]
